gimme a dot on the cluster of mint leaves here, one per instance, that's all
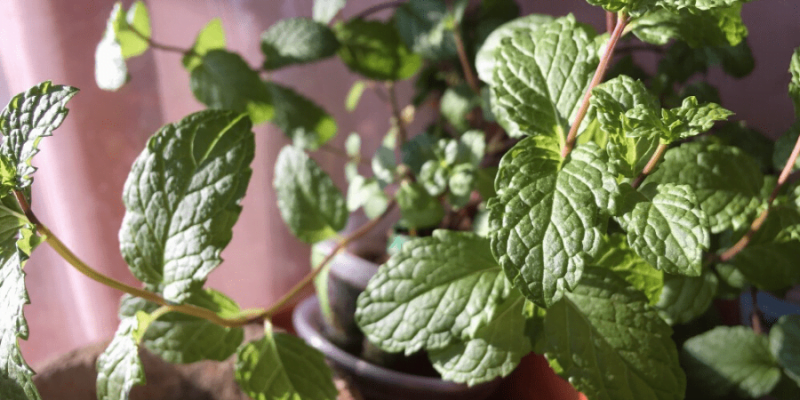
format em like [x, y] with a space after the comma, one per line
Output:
[588, 255]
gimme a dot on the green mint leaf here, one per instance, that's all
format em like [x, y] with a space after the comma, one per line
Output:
[211, 37]
[784, 146]
[770, 259]
[434, 291]
[119, 368]
[14, 224]
[685, 298]
[697, 5]
[492, 351]
[182, 199]
[456, 104]
[384, 164]
[532, 92]
[727, 360]
[352, 145]
[310, 203]
[300, 118]
[367, 193]
[16, 377]
[618, 257]
[354, 95]
[610, 101]
[749, 140]
[418, 150]
[325, 10]
[605, 339]
[418, 208]
[794, 85]
[486, 59]
[27, 118]
[548, 223]
[174, 336]
[690, 119]
[426, 28]
[297, 41]
[631, 7]
[714, 27]
[374, 49]
[784, 343]
[667, 227]
[282, 366]
[119, 43]
[726, 181]
[223, 80]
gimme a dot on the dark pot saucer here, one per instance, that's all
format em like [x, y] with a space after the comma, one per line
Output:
[378, 383]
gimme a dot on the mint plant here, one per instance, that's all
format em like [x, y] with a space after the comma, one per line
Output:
[566, 202]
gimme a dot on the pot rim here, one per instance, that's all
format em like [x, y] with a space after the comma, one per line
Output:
[307, 315]
[349, 267]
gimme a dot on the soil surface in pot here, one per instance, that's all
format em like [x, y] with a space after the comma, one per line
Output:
[72, 376]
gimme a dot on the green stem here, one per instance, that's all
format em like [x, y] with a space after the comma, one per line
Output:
[160, 46]
[602, 67]
[401, 125]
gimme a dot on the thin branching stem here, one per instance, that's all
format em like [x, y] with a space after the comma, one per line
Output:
[379, 7]
[602, 67]
[727, 255]
[651, 165]
[160, 46]
[469, 74]
[398, 116]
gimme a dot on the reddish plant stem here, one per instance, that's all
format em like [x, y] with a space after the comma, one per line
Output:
[651, 165]
[598, 77]
[378, 8]
[469, 74]
[727, 255]
[611, 21]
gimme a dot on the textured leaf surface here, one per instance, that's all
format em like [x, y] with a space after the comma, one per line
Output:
[548, 223]
[494, 350]
[223, 80]
[119, 367]
[280, 366]
[541, 75]
[670, 230]
[784, 343]
[685, 298]
[325, 10]
[300, 118]
[211, 37]
[310, 203]
[618, 257]
[418, 208]
[610, 344]
[770, 259]
[610, 101]
[182, 199]
[426, 28]
[434, 291]
[726, 181]
[374, 49]
[183, 339]
[731, 359]
[714, 27]
[690, 119]
[367, 193]
[486, 58]
[27, 118]
[16, 377]
[297, 41]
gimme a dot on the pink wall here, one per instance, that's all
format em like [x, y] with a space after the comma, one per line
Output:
[83, 168]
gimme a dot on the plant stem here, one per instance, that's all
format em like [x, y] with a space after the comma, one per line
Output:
[401, 125]
[727, 255]
[469, 74]
[610, 21]
[342, 245]
[379, 7]
[598, 77]
[651, 165]
[755, 313]
[160, 46]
